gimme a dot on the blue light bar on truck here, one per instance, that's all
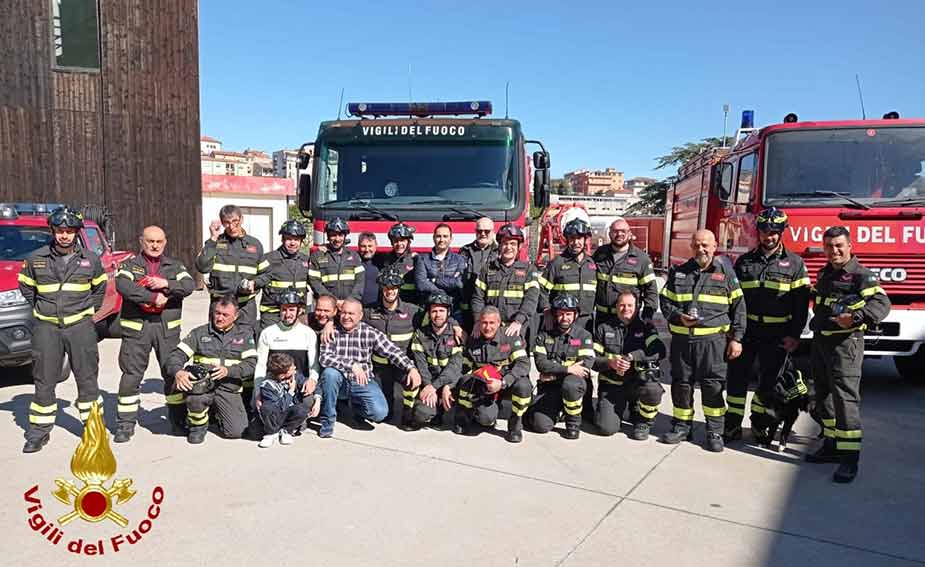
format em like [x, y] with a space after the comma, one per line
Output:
[748, 119]
[420, 109]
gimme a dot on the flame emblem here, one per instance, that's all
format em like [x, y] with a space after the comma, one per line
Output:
[94, 464]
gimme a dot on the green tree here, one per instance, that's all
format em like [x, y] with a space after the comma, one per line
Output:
[652, 198]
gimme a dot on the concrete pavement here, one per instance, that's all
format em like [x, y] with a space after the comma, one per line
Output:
[387, 497]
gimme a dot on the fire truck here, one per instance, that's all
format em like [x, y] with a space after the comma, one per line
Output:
[424, 164]
[867, 175]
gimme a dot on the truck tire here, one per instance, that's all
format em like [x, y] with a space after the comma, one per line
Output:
[911, 368]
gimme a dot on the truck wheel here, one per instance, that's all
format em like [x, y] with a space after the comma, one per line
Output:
[911, 368]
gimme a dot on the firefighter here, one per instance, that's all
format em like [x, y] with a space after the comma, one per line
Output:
[397, 320]
[499, 368]
[401, 260]
[233, 259]
[703, 304]
[573, 272]
[287, 269]
[776, 288]
[622, 266]
[152, 286]
[335, 270]
[563, 357]
[228, 350]
[628, 350]
[478, 254]
[509, 284]
[849, 299]
[438, 355]
[65, 285]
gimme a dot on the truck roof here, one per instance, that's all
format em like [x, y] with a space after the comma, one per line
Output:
[830, 124]
[351, 122]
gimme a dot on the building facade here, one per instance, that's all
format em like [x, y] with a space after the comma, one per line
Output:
[284, 162]
[599, 182]
[263, 200]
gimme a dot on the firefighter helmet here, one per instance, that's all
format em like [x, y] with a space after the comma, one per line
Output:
[439, 298]
[401, 230]
[771, 219]
[65, 217]
[201, 381]
[576, 227]
[293, 228]
[509, 232]
[290, 297]
[565, 301]
[337, 225]
[390, 278]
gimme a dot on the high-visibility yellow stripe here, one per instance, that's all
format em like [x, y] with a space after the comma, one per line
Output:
[224, 268]
[518, 354]
[263, 265]
[532, 284]
[567, 287]
[736, 293]
[314, 274]
[868, 292]
[417, 347]
[539, 349]
[598, 347]
[174, 399]
[128, 399]
[548, 285]
[80, 287]
[399, 337]
[48, 288]
[714, 412]
[696, 331]
[480, 284]
[720, 299]
[519, 405]
[43, 409]
[186, 349]
[287, 285]
[844, 331]
[174, 324]
[735, 410]
[41, 419]
[651, 339]
[802, 282]
[585, 352]
[23, 278]
[677, 297]
[249, 353]
[380, 359]
[768, 318]
[646, 411]
[129, 324]
[828, 422]
[268, 309]
[464, 403]
[633, 281]
[182, 275]
[647, 278]
[683, 414]
[609, 380]
[64, 320]
[849, 433]
[95, 281]
[199, 359]
[735, 400]
[122, 408]
[125, 273]
[341, 277]
[847, 445]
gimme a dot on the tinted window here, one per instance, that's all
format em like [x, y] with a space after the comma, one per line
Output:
[94, 241]
[724, 188]
[17, 242]
[746, 177]
[76, 34]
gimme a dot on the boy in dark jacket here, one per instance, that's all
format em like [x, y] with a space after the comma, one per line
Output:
[283, 401]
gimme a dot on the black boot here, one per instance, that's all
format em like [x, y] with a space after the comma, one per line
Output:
[713, 443]
[677, 434]
[732, 431]
[847, 469]
[826, 454]
[35, 445]
[196, 435]
[124, 433]
[640, 431]
[462, 425]
[572, 428]
[515, 428]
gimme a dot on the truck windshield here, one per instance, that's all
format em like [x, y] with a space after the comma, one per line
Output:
[17, 242]
[419, 175]
[870, 165]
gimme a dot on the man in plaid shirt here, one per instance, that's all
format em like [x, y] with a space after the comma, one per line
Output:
[348, 368]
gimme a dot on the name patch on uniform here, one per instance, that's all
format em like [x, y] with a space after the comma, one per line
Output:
[251, 249]
[85, 263]
[784, 263]
[632, 261]
[680, 276]
[237, 341]
[609, 335]
[505, 348]
[205, 339]
[575, 342]
[520, 273]
[718, 277]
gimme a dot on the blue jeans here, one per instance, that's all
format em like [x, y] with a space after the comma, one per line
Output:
[367, 400]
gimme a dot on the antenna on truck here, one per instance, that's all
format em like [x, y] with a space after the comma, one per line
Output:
[507, 87]
[857, 80]
[340, 105]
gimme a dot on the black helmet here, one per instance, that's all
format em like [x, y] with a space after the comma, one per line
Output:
[293, 228]
[401, 230]
[290, 297]
[439, 298]
[565, 301]
[65, 217]
[337, 224]
[390, 278]
[771, 219]
[576, 227]
[509, 231]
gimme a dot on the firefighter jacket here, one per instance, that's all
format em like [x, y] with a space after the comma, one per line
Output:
[136, 297]
[63, 291]
[234, 349]
[447, 275]
[284, 271]
[556, 350]
[714, 292]
[398, 325]
[851, 288]
[776, 289]
[637, 340]
[513, 289]
[437, 356]
[336, 273]
[568, 274]
[476, 259]
[405, 266]
[230, 260]
[507, 354]
[631, 272]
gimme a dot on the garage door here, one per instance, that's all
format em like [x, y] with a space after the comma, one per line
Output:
[258, 222]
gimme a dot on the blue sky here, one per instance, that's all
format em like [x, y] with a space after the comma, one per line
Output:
[602, 84]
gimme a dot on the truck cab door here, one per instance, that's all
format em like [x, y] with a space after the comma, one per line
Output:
[94, 241]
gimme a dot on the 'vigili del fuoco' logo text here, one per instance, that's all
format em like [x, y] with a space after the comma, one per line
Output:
[96, 501]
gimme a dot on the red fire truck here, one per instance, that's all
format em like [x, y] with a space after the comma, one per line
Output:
[868, 175]
[422, 163]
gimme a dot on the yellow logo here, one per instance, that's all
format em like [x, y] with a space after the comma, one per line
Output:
[94, 464]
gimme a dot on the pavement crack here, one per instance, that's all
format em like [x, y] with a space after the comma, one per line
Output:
[590, 532]
[651, 470]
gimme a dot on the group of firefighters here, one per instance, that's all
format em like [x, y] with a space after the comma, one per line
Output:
[448, 338]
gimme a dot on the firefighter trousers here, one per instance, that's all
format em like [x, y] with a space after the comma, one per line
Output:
[49, 345]
[133, 361]
[553, 398]
[391, 380]
[642, 397]
[274, 416]
[836, 363]
[473, 403]
[420, 413]
[769, 355]
[698, 360]
[224, 402]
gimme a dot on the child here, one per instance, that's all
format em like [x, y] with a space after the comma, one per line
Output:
[282, 401]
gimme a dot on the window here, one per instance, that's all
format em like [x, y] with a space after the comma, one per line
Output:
[724, 181]
[75, 31]
[94, 241]
[746, 177]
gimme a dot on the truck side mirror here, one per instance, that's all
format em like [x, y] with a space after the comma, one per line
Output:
[305, 193]
[540, 160]
[540, 188]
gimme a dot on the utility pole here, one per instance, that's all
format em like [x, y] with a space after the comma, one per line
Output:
[725, 118]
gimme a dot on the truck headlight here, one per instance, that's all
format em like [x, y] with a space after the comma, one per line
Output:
[11, 298]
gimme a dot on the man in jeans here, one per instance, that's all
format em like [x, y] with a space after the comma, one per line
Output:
[347, 363]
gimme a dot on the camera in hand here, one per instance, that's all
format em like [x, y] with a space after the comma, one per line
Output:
[201, 378]
[648, 370]
[693, 312]
[843, 305]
